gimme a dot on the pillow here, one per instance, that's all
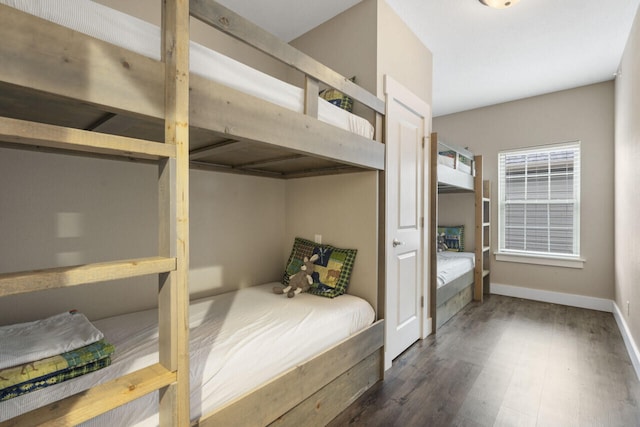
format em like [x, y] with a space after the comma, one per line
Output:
[338, 98]
[453, 237]
[332, 270]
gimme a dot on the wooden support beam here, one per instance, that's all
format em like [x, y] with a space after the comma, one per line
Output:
[433, 224]
[266, 162]
[173, 184]
[478, 271]
[217, 148]
[102, 398]
[50, 136]
[61, 277]
[311, 88]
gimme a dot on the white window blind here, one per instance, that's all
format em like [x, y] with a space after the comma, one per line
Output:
[539, 201]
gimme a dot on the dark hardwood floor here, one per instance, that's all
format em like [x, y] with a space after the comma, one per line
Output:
[508, 362]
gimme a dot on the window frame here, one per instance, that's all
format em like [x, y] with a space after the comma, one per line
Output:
[572, 260]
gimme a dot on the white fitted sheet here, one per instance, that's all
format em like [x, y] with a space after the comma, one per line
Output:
[239, 340]
[452, 265]
[142, 37]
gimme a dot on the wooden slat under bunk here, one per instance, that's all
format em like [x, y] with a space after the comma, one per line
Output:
[83, 72]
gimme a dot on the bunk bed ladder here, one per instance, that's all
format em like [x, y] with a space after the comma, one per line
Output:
[482, 235]
[171, 375]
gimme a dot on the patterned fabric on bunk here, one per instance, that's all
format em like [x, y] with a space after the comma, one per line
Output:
[333, 267]
[53, 378]
[44, 352]
[34, 370]
[338, 98]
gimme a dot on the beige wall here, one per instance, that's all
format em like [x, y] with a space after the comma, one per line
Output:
[237, 228]
[368, 41]
[402, 55]
[347, 44]
[458, 209]
[627, 183]
[343, 210]
[60, 210]
[584, 114]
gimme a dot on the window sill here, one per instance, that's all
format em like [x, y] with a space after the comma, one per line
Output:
[540, 260]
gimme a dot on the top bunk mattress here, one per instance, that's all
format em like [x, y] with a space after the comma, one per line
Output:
[141, 37]
[238, 340]
[452, 265]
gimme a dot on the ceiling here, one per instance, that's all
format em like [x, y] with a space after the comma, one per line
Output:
[484, 56]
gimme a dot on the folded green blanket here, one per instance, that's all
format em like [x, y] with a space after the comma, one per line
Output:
[53, 378]
[32, 371]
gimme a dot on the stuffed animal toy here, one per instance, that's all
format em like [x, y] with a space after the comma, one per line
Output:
[301, 281]
[442, 246]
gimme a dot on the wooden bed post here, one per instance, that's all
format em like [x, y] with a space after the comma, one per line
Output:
[433, 224]
[478, 270]
[173, 197]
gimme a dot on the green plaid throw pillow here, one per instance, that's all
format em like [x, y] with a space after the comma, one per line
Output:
[332, 269]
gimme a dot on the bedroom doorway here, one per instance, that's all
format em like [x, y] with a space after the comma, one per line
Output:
[407, 125]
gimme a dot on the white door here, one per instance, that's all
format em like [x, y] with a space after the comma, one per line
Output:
[407, 121]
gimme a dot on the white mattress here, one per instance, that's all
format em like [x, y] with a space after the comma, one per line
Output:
[238, 340]
[142, 37]
[452, 265]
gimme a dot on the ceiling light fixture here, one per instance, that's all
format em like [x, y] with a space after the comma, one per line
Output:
[499, 4]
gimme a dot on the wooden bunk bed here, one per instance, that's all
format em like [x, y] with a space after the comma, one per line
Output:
[456, 170]
[61, 90]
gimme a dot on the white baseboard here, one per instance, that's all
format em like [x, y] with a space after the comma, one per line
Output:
[629, 342]
[572, 300]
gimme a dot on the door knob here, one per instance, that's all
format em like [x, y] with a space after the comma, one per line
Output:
[397, 242]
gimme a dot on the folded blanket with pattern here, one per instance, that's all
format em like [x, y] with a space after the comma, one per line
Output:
[33, 371]
[53, 378]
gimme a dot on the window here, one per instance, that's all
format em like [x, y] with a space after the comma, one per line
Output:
[539, 203]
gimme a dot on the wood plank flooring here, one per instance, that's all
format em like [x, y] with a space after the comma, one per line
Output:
[508, 362]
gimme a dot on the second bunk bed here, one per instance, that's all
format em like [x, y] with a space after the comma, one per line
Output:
[70, 82]
[457, 274]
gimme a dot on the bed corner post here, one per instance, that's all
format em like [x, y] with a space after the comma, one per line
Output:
[478, 271]
[433, 225]
[173, 198]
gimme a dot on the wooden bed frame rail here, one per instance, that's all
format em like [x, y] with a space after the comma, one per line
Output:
[317, 390]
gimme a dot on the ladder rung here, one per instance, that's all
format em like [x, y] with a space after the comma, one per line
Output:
[60, 277]
[44, 135]
[97, 400]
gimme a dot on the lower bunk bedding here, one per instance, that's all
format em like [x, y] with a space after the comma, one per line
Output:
[455, 283]
[238, 341]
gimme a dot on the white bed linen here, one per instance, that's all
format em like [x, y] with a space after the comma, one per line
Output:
[142, 37]
[452, 265]
[27, 342]
[238, 340]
